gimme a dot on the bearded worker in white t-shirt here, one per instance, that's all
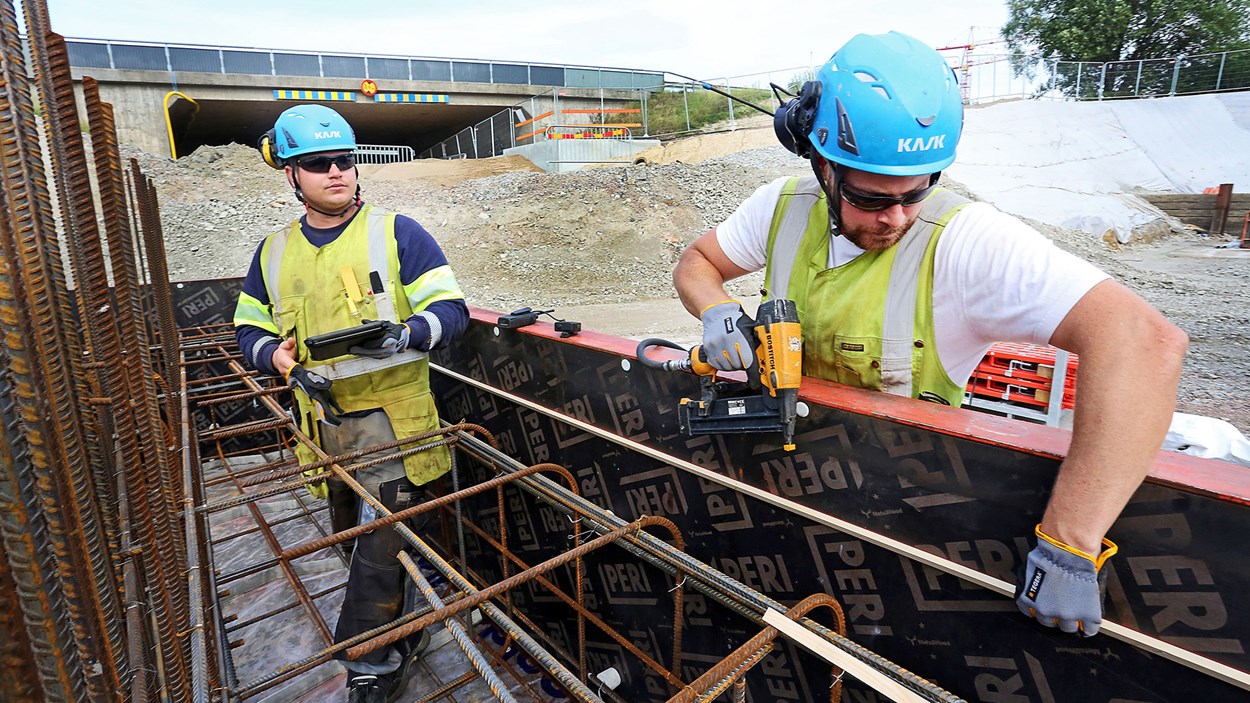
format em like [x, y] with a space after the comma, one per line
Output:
[902, 287]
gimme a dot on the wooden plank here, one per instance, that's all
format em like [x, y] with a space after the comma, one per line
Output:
[831, 653]
[1219, 215]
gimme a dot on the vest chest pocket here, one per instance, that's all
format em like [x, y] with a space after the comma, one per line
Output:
[856, 361]
[290, 319]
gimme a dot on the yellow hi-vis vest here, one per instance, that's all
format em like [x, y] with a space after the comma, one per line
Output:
[868, 322]
[308, 288]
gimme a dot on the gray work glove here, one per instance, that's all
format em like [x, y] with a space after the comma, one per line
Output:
[395, 340]
[317, 388]
[728, 336]
[1061, 586]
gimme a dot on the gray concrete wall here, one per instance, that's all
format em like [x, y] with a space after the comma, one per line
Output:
[563, 155]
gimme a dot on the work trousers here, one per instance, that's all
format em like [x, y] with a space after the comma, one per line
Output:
[376, 581]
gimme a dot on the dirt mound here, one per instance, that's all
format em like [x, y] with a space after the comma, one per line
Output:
[702, 147]
[447, 171]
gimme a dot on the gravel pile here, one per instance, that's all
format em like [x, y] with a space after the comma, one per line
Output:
[613, 234]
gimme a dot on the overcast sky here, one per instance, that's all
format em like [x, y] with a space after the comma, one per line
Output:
[704, 40]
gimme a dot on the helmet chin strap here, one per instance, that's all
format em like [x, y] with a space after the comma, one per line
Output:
[299, 195]
[832, 201]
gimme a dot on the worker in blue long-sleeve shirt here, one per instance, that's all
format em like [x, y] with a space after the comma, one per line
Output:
[342, 264]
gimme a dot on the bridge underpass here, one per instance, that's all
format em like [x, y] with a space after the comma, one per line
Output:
[216, 122]
[219, 95]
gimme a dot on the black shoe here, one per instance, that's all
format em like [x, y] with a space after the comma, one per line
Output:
[382, 688]
[364, 688]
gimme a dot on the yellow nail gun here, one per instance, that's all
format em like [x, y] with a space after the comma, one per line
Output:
[768, 401]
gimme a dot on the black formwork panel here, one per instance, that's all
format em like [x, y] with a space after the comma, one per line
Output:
[971, 499]
[212, 302]
[892, 466]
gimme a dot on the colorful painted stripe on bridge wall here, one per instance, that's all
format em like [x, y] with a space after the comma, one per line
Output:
[341, 95]
[412, 98]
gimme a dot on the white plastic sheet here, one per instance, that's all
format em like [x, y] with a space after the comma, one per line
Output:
[1078, 164]
[1207, 437]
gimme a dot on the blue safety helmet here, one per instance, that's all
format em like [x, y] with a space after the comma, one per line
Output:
[888, 104]
[306, 129]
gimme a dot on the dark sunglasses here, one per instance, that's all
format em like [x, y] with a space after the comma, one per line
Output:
[875, 202]
[321, 164]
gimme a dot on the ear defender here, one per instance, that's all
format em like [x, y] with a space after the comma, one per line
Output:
[267, 150]
[794, 119]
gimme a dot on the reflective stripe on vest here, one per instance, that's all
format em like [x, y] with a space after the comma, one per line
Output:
[806, 194]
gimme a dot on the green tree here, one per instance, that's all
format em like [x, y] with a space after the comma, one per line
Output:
[1153, 32]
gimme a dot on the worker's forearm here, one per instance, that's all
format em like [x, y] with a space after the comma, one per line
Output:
[698, 282]
[1119, 426]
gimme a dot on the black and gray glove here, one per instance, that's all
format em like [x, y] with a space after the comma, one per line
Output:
[393, 341]
[1062, 587]
[728, 336]
[317, 388]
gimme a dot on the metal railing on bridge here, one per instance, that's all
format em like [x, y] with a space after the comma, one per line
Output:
[148, 56]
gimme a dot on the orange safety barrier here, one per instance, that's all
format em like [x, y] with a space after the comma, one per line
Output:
[587, 134]
[548, 113]
[1015, 391]
[527, 135]
[607, 111]
[1025, 361]
[1001, 353]
[1022, 373]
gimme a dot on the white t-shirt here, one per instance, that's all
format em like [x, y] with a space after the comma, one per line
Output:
[995, 278]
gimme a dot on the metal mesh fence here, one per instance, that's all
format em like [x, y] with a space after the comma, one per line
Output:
[383, 154]
[992, 77]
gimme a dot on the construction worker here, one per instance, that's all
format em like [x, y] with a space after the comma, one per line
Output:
[341, 264]
[902, 287]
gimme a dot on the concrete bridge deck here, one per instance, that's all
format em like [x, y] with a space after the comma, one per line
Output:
[231, 94]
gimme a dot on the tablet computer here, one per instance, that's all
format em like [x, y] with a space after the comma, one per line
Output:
[333, 344]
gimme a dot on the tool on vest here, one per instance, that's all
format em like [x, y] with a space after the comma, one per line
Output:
[317, 388]
[767, 401]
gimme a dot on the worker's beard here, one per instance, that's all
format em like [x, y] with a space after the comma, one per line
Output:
[875, 237]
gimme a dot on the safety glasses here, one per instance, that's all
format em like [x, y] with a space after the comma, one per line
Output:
[321, 164]
[876, 202]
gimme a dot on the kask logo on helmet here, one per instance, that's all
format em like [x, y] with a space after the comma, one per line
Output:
[922, 144]
[333, 134]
